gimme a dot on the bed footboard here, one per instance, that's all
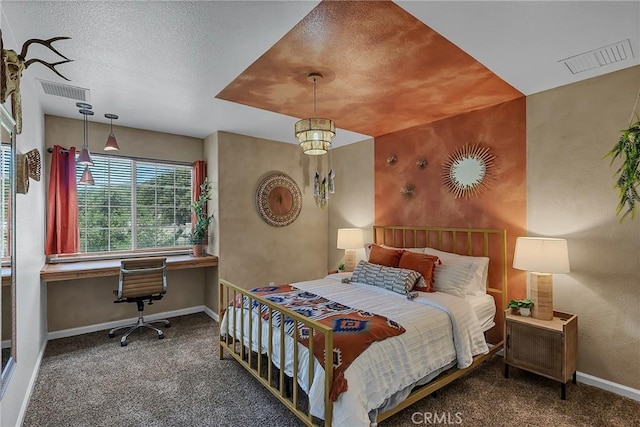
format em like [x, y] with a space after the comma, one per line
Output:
[243, 339]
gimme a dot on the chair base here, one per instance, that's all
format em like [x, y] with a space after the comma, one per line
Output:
[139, 324]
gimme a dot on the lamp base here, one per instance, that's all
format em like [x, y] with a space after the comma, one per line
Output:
[349, 260]
[542, 296]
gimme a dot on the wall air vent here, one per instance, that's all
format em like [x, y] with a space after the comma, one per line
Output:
[616, 52]
[66, 91]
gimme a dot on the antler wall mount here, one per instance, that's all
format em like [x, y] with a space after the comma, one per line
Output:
[13, 64]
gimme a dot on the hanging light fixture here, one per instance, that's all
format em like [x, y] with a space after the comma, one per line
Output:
[315, 134]
[87, 177]
[85, 157]
[112, 144]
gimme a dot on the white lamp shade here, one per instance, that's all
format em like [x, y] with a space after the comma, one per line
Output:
[350, 238]
[541, 254]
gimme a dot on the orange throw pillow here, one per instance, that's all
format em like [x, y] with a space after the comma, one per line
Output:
[383, 256]
[423, 264]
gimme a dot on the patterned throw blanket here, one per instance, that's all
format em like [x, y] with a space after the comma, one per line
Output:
[353, 330]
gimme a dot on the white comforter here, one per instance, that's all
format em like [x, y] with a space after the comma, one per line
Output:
[440, 328]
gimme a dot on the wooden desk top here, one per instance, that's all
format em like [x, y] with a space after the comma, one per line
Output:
[111, 267]
[6, 276]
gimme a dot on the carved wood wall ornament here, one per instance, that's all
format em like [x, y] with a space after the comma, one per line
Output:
[278, 200]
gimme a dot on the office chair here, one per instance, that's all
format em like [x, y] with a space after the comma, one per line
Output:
[141, 279]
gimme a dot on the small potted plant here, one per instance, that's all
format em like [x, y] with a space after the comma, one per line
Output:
[199, 230]
[341, 268]
[522, 305]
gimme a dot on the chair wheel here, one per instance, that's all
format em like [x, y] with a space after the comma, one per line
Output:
[123, 344]
[111, 335]
[160, 336]
[168, 325]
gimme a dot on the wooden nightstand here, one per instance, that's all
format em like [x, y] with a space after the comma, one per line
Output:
[544, 347]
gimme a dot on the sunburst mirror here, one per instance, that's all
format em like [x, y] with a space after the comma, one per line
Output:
[466, 170]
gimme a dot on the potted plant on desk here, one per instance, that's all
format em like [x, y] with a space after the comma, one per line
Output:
[200, 228]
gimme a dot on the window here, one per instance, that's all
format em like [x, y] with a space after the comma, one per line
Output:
[5, 196]
[134, 204]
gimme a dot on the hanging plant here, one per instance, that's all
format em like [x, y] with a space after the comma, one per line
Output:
[628, 149]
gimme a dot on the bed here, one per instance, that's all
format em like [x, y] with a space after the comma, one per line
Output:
[389, 374]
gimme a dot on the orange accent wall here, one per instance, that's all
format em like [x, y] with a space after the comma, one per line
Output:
[502, 205]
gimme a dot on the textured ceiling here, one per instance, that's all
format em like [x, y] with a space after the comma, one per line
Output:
[385, 71]
[160, 64]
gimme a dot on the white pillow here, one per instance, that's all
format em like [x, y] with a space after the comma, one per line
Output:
[452, 276]
[476, 276]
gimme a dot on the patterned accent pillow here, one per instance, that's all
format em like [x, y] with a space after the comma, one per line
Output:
[398, 280]
[383, 256]
[423, 264]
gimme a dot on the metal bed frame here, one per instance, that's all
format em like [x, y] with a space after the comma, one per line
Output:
[488, 242]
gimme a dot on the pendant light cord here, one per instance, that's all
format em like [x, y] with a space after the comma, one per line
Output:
[315, 79]
[84, 132]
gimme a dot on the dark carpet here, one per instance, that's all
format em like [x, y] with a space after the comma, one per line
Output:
[89, 380]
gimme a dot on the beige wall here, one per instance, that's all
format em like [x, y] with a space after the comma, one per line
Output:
[133, 142]
[30, 294]
[77, 303]
[253, 252]
[352, 206]
[92, 299]
[571, 195]
[211, 157]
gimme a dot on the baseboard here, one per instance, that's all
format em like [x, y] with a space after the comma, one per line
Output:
[616, 388]
[32, 383]
[211, 313]
[603, 384]
[116, 323]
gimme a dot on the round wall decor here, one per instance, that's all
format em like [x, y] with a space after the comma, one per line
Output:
[466, 170]
[278, 200]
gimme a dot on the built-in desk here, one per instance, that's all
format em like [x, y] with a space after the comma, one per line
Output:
[80, 293]
[111, 267]
[6, 276]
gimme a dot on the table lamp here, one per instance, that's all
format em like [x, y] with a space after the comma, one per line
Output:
[350, 239]
[542, 257]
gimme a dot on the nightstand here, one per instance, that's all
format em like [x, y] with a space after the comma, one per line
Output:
[544, 347]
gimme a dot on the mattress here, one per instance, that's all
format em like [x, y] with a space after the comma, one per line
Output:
[485, 308]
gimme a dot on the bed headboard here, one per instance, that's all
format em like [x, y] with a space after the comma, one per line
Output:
[487, 242]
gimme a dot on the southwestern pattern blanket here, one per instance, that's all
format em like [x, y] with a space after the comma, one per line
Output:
[353, 330]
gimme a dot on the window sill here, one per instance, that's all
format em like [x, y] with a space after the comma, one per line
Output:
[88, 269]
[99, 256]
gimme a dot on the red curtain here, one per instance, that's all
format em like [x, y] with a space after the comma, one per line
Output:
[63, 233]
[199, 175]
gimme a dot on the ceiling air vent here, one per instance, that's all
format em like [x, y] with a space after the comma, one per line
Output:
[616, 52]
[66, 91]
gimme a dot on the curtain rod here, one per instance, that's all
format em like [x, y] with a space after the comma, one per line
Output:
[142, 159]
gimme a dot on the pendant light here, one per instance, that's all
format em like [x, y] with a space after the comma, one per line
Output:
[85, 157]
[87, 177]
[112, 144]
[315, 134]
